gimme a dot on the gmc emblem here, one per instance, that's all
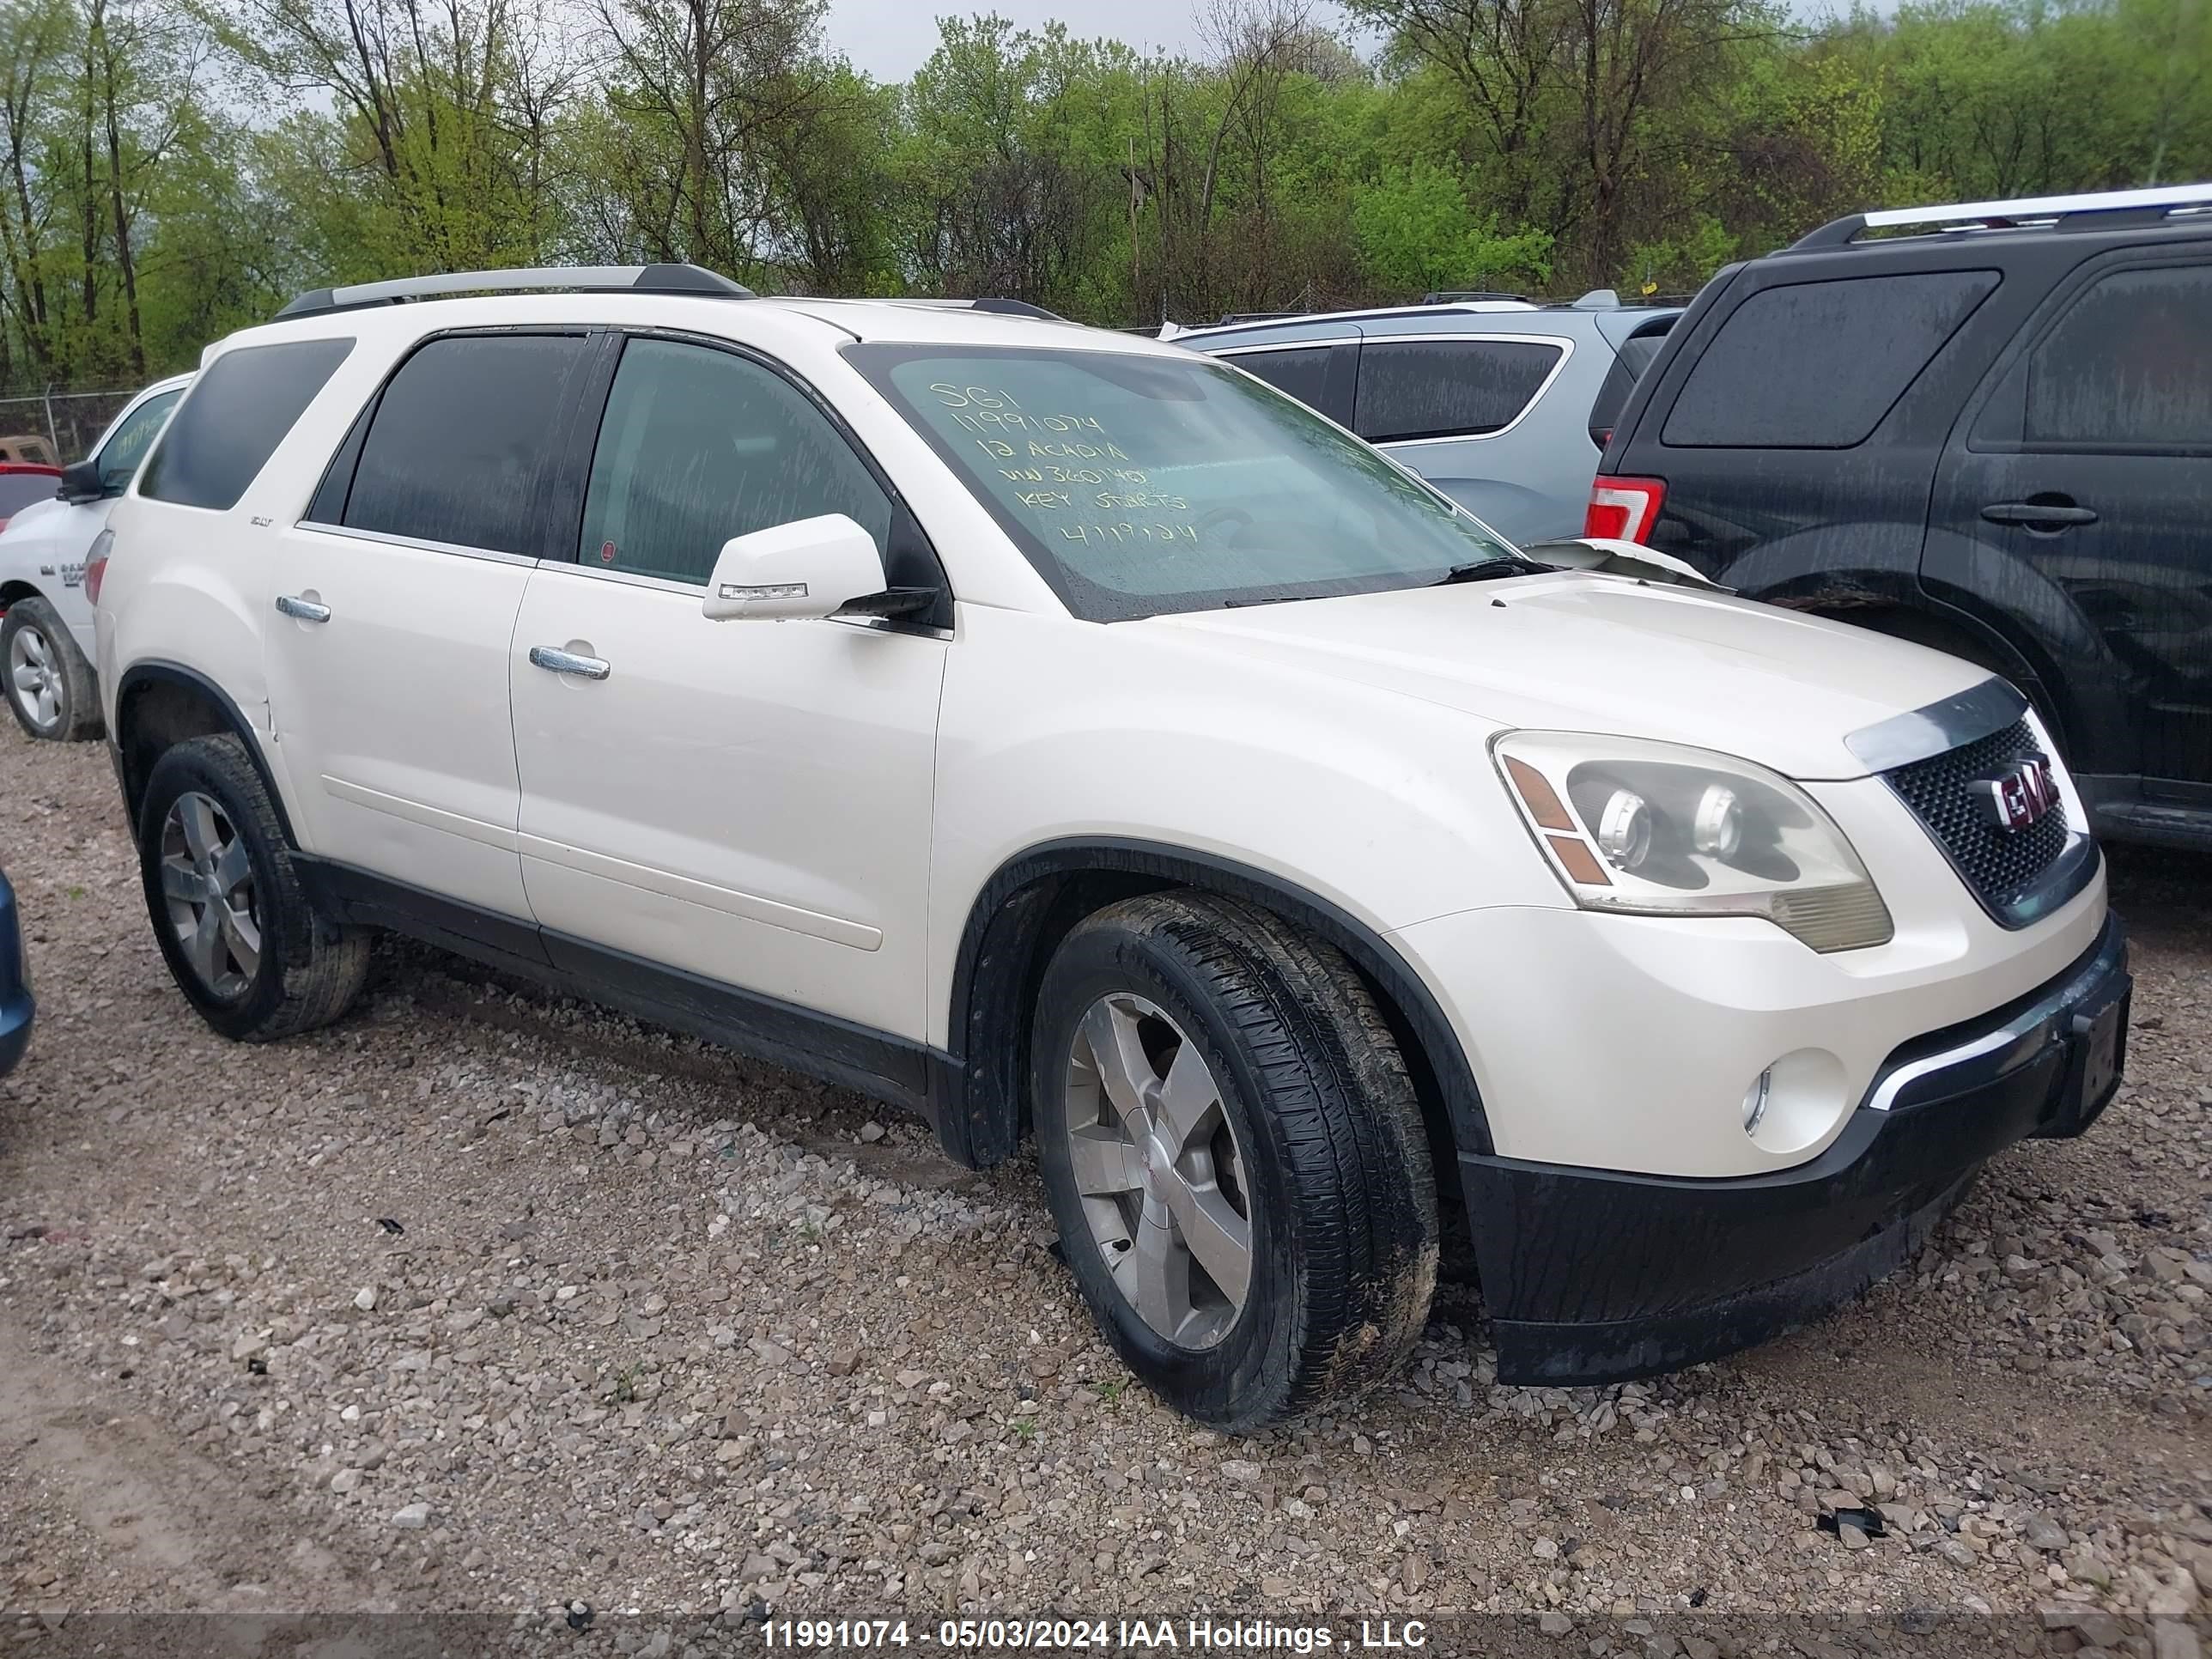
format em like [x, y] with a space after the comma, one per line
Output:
[2014, 799]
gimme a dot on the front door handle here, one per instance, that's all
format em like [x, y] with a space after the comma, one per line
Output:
[2053, 513]
[557, 661]
[302, 609]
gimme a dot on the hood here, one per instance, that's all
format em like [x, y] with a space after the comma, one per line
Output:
[1579, 652]
[34, 512]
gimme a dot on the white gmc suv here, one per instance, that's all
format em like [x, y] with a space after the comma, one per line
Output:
[1068, 736]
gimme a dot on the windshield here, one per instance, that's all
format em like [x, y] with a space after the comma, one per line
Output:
[1139, 485]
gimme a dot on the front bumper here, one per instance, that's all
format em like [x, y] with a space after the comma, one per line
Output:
[1594, 1276]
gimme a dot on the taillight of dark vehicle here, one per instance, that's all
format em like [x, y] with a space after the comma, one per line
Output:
[1623, 509]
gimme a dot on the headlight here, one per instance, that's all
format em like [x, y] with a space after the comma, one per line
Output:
[1655, 830]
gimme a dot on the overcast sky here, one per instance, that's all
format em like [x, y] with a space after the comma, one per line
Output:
[888, 39]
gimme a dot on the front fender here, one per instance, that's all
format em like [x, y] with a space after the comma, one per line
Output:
[1354, 811]
[1383, 806]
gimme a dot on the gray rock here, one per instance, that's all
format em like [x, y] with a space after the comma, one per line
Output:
[413, 1518]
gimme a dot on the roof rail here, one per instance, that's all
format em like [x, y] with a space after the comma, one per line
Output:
[1013, 308]
[2041, 212]
[1454, 296]
[594, 279]
[1003, 307]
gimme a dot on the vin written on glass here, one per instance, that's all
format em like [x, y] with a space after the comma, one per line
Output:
[1140, 484]
[1050, 451]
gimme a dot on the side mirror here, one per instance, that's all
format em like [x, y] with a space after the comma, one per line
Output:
[81, 482]
[811, 569]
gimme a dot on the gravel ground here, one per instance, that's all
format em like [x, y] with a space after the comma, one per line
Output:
[484, 1299]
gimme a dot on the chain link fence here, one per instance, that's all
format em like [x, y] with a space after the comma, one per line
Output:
[69, 422]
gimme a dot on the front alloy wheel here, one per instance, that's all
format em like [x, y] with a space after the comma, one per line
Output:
[1233, 1155]
[34, 681]
[207, 879]
[1160, 1172]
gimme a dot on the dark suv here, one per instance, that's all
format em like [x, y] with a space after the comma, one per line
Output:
[1986, 427]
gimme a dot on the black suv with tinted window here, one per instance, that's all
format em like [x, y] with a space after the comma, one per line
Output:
[1986, 427]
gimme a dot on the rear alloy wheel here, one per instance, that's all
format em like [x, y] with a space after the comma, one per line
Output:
[207, 877]
[236, 929]
[50, 686]
[1234, 1157]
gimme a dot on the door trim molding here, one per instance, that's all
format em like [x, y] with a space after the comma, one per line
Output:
[729, 901]
[498, 836]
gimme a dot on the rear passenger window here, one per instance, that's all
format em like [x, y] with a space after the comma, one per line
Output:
[2125, 367]
[461, 439]
[238, 412]
[699, 445]
[1301, 372]
[1817, 365]
[1447, 388]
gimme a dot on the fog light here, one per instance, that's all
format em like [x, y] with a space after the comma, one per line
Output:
[1755, 1099]
[1796, 1103]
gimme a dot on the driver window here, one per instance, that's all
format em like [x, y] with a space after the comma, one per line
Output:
[698, 446]
[127, 444]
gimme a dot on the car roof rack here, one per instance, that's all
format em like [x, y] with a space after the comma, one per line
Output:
[592, 279]
[1460, 296]
[2087, 211]
[1241, 319]
[993, 303]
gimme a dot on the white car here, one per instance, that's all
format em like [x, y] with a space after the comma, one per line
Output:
[1070, 737]
[46, 637]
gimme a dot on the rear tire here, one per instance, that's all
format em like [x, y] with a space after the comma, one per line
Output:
[239, 937]
[50, 688]
[1274, 1114]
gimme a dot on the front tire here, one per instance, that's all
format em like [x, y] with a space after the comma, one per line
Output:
[1233, 1155]
[50, 688]
[240, 939]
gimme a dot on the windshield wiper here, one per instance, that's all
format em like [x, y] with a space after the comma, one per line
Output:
[1487, 570]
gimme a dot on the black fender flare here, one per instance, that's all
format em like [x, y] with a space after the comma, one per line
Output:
[141, 676]
[998, 963]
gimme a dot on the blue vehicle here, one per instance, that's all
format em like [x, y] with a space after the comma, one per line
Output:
[1504, 405]
[14, 983]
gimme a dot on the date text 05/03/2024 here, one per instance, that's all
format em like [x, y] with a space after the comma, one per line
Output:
[1092, 1635]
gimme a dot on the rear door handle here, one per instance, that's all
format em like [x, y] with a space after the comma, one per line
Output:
[557, 661]
[302, 609]
[2039, 515]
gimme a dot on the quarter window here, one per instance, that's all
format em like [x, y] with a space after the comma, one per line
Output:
[2124, 366]
[1818, 365]
[463, 439]
[699, 445]
[1303, 372]
[1637, 352]
[240, 407]
[1447, 388]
